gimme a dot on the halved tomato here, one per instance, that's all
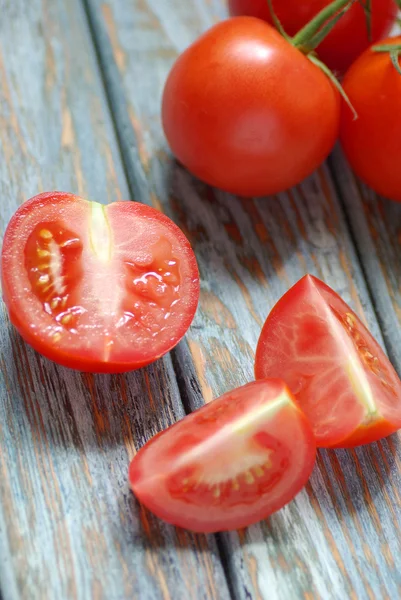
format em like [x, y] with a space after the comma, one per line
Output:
[98, 288]
[338, 373]
[231, 463]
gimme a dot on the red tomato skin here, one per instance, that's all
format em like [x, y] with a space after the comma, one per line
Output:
[345, 42]
[348, 427]
[149, 469]
[367, 435]
[29, 331]
[230, 115]
[372, 142]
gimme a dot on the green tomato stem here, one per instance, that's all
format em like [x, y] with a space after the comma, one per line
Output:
[303, 37]
[277, 22]
[395, 59]
[324, 31]
[367, 7]
[334, 81]
[386, 47]
[394, 50]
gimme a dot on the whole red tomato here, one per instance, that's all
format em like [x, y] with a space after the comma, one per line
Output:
[247, 112]
[372, 142]
[348, 39]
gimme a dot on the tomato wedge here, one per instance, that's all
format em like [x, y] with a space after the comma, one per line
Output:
[231, 463]
[338, 373]
[98, 288]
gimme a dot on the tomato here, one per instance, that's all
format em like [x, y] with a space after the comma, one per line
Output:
[348, 39]
[372, 142]
[242, 110]
[338, 373]
[231, 463]
[97, 288]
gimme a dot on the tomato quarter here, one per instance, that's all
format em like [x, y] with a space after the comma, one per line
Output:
[233, 462]
[338, 373]
[97, 288]
[247, 112]
[348, 39]
[372, 142]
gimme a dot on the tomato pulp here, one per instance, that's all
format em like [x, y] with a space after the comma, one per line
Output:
[97, 288]
[229, 464]
[243, 110]
[338, 373]
[372, 142]
[348, 39]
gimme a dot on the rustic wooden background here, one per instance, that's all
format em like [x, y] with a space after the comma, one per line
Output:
[80, 87]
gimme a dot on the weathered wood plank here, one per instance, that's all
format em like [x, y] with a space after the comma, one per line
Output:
[341, 537]
[69, 527]
[376, 225]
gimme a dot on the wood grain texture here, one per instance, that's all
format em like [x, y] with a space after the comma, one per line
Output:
[376, 225]
[341, 537]
[69, 526]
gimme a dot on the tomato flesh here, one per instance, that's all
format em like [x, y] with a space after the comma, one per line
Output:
[230, 114]
[348, 39]
[233, 462]
[372, 141]
[98, 288]
[338, 373]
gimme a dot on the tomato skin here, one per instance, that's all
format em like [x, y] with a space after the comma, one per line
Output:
[229, 464]
[372, 142]
[99, 339]
[230, 116]
[348, 39]
[337, 372]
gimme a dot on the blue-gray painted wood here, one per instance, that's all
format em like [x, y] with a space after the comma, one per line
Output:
[341, 537]
[69, 526]
[376, 225]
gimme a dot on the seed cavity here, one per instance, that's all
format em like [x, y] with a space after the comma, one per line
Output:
[51, 252]
[216, 492]
[259, 472]
[66, 319]
[42, 253]
[249, 478]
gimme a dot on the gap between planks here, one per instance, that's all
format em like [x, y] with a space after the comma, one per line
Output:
[180, 355]
[359, 239]
[187, 380]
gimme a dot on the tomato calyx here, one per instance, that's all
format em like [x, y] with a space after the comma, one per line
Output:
[314, 32]
[394, 50]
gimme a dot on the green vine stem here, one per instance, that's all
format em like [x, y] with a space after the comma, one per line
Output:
[325, 30]
[314, 59]
[394, 50]
[367, 7]
[277, 22]
[314, 32]
[320, 20]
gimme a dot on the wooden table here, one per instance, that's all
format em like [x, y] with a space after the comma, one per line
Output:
[80, 86]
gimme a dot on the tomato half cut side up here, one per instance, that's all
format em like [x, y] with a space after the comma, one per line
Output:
[340, 376]
[229, 464]
[98, 288]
